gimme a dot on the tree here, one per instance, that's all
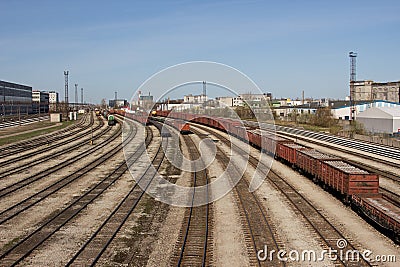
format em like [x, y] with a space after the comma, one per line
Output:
[323, 117]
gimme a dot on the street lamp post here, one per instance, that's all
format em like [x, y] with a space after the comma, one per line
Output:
[91, 130]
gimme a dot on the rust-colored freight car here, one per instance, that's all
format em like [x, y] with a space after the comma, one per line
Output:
[270, 141]
[347, 179]
[240, 132]
[381, 212]
[288, 151]
[265, 140]
[179, 124]
[309, 161]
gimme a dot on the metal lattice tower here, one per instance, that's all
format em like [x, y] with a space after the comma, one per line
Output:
[66, 86]
[353, 57]
[82, 96]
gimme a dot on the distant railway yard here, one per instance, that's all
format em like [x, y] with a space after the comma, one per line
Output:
[106, 190]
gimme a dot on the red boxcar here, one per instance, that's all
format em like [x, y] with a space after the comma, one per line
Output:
[269, 141]
[348, 179]
[179, 124]
[288, 151]
[309, 161]
[240, 132]
[254, 138]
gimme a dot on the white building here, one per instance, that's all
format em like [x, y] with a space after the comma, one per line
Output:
[230, 101]
[195, 99]
[381, 119]
[53, 97]
[341, 109]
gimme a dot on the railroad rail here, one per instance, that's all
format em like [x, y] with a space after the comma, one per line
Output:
[28, 244]
[25, 145]
[93, 249]
[44, 173]
[37, 197]
[39, 151]
[257, 225]
[45, 158]
[193, 248]
[327, 232]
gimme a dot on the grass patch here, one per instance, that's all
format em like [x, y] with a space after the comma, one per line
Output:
[24, 136]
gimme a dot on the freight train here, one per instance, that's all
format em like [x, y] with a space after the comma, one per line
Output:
[182, 126]
[140, 117]
[354, 186]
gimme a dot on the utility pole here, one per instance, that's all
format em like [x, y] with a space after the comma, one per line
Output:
[204, 94]
[115, 99]
[76, 96]
[66, 86]
[81, 96]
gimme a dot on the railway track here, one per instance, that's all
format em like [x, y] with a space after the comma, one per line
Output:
[327, 232]
[23, 248]
[39, 196]
[258, 227]
[94, 248]
[46, 158]
[22, 146]
[49, 147]
[193, 248]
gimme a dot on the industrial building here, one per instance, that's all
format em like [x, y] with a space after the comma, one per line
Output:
[370, 90]
[381, 119]
[118, 103]
[341, 109]
[15, 99]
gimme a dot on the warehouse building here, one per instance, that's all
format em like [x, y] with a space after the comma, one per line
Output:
[341, 109]
[381, 119]
[15, 99]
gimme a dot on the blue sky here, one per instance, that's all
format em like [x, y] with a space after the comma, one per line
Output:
[284, 46]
